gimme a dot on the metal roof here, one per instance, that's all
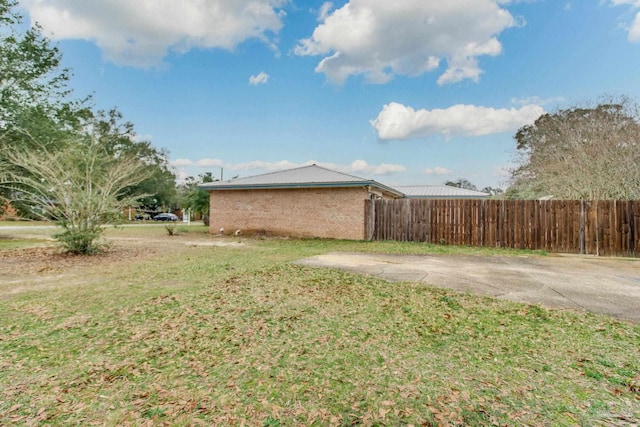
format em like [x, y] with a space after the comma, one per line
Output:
[439, 192]
[315, 176]
[312, 176]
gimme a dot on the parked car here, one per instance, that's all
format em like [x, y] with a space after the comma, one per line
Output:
[165, 217]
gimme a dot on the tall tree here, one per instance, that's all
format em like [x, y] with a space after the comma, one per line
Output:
[30, 71]
[580, 153]
[37, 115]
[33, 89]
[119, 138]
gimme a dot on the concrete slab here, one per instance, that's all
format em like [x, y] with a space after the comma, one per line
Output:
[600, 285]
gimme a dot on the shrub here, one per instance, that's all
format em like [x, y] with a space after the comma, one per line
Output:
[81, 242]
[171, 229]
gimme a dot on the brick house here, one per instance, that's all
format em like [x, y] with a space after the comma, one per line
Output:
[309, 201]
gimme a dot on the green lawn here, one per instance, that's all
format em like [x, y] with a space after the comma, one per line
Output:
[207, 335]
[28, 235]
[17, 243]
[23, 223]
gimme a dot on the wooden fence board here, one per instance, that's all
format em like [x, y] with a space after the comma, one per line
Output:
[609, 228]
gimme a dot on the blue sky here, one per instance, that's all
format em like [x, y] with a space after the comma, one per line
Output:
[406, 92]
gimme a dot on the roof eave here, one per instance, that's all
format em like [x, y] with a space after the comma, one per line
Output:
[447, 197]
[231, 186]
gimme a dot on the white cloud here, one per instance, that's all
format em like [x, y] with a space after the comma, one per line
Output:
[261, 78]
[262, 165]
[635, 3]
[258, 166]
[323, 13]
[178, 163]
[208, 163]
[357, 166]
[141, 32]
[380, 38]
[361, 166]
[634, 28]
[397, 121]
[438, 170]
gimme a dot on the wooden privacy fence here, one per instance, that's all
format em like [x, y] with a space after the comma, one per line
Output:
[609, 228]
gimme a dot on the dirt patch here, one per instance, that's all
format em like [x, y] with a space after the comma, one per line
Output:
[175, 240]
[49, 264]
[19, 268]
[51, 260]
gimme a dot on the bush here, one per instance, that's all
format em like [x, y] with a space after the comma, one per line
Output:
[81, 242]
[171, 228]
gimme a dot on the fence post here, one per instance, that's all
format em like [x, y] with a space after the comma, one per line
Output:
[483, 221]
[597, 229]
[582, 228]
[370, 215]
[632, 230]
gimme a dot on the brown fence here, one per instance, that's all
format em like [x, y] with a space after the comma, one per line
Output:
[609, 228]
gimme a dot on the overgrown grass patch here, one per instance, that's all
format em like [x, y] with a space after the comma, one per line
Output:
[400, 248]
[224, 335]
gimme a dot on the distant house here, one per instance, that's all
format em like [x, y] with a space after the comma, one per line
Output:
[439, 192]
[309, 201]
[7, 211]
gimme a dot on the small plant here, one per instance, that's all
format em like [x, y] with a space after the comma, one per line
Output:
[171, 229]
[83, 242]
[272, 422]
[153, 413]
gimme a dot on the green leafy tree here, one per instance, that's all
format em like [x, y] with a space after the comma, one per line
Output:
[196, 198]
[30, 67]
[60, 159]
[580, 153]
[34, 97]
[119, 138]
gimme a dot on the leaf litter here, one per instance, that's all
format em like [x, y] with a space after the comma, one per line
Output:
[230, 336]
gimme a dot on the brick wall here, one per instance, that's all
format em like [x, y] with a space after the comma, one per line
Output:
[305, 212]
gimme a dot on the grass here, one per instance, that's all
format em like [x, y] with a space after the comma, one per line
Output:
[206, 335]
[22, 223]
[7, 243]
[37, 236]
[26, 236]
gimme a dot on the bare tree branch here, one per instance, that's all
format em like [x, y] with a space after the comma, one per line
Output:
[581, 153]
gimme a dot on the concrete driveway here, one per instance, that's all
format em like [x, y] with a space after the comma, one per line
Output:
[599, 285]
